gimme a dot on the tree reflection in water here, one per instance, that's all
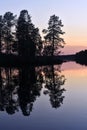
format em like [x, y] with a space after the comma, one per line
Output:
[8, 90]
[19, 88]
[53, 81]
[28, 90]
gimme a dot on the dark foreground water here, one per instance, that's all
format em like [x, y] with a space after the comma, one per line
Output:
[44, 98]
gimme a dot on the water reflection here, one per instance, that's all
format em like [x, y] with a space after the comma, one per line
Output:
[28, 89]
[53, 82]
[19, 88]
[8, 90]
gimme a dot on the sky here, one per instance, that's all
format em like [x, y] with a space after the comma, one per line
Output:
[73, 14]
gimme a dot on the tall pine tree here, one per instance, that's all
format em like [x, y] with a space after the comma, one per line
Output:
[52, 36]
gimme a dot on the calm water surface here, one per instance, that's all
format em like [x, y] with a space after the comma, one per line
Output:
[44, 98]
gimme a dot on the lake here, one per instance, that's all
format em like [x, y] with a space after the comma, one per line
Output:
[44, 98]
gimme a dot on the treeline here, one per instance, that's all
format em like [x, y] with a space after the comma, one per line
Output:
[81, 57]
[19, 36]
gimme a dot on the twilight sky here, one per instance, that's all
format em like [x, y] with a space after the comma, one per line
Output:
[73, 14]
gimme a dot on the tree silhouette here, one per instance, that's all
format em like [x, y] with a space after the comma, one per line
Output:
[52, 36]
[20, 36]
[28, 36]
[23, 33]
[8, 34]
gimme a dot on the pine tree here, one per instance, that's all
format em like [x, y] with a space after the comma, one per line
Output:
[8, 36]
[28, 36]
[52, 36]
